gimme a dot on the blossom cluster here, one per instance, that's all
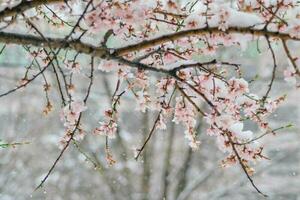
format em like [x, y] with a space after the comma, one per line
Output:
[186, 89]
[70, 115]
[124, 17]
[109, 127]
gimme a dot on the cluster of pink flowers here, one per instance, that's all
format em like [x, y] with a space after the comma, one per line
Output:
[124, 17]
[185, 113]
[290, 76]
[223, 99]
[70, 116]
[232, 104]
[109, 126]
[223, 21]
[295, 31]
[71, 112]
[165, 85]
[73, 66]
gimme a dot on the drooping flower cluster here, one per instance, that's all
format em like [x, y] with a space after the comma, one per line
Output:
[71, 112]
[124, 17]
[70, 115]
[226, 99]
[290, 76]
[184, 113]
[73, 66]
[223, 22]
[108, 127]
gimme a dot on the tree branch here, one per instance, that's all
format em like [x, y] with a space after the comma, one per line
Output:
[77, 45]
[201, 31]
[23, 6]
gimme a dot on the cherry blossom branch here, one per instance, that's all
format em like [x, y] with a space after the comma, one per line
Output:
[165, 13]
[25, 5]
[168, 72]
[91, 77]
[23, 39]
[25, 83]
[140, 150]
[222, 98]
[273, 71]
[76, 127]
[40, 42]
[201, 31]
[244, 167]
[13, 144]
[58, 17]
[102, 52]
[198, 64]
[264, 134]
[77, 124]
[167, 22]
[57, 80]
[200, 94]
[33, 26]
[46, 85]
[87, 157]
[189, 99]
[274, 14]
[139, 59]
[115, 99]
[60, 154]
[289, 55]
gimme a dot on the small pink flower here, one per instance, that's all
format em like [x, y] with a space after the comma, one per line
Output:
[78, 106]
[143, 100]
[70, 113]
[295, 31]
[108, 129]
[289, 76]
[164, 85]
[238, 86]
[224, 16]
[161, 124]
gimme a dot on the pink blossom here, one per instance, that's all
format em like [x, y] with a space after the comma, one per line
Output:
[184, 112]
[141, 79]
[143, 100]
[74, 67]
[238, 86]
[71, 112]
[295, 31]
[108, 129]
[165, 85]
[289, 76]
[161, 124]
[223, 22]
[78, 106]
[223, 121]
